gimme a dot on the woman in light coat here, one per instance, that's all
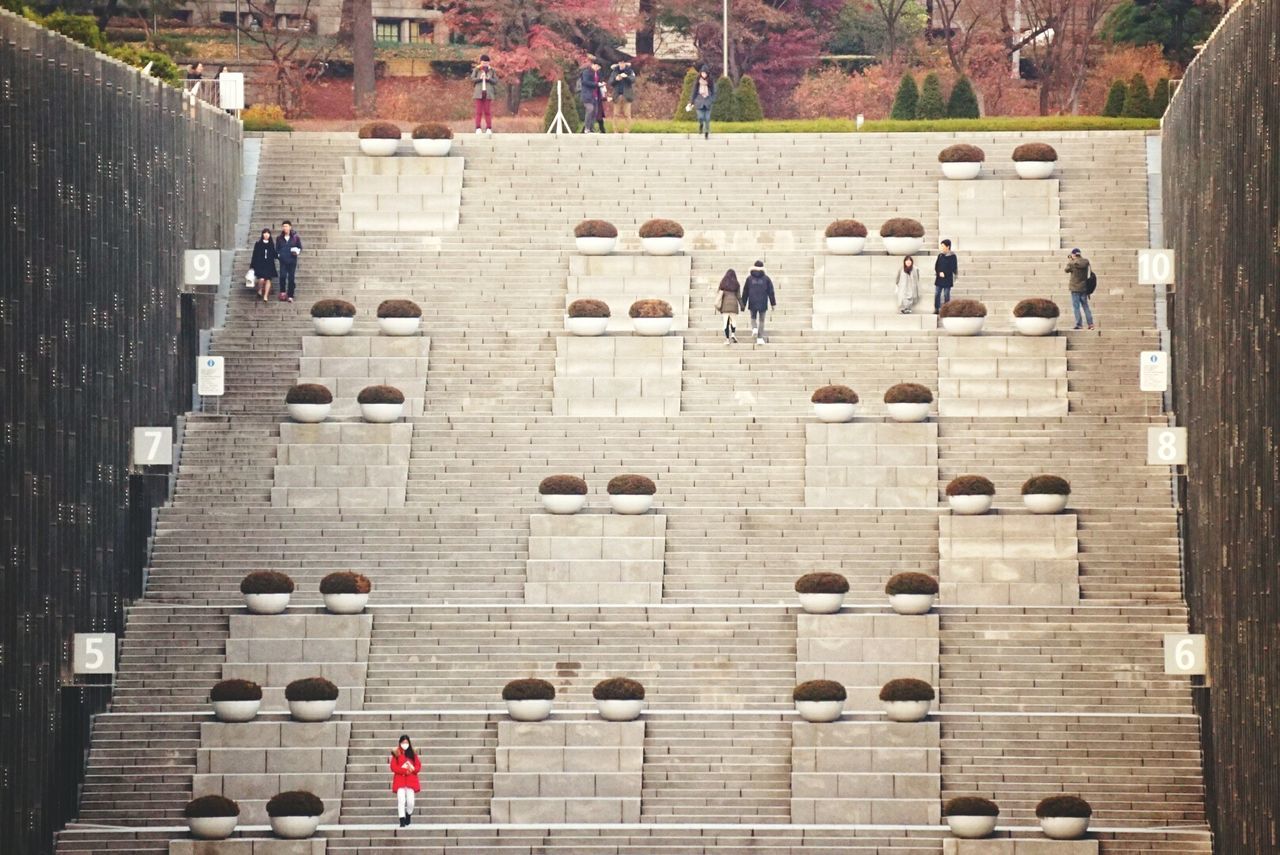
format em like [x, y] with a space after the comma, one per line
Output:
[907, 286]
[729, 303]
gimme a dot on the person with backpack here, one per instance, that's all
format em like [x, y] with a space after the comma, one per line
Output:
[1079, 280]
[758, 298]
[405, 766]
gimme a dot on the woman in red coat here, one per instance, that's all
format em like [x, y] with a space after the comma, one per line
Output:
[405, 766]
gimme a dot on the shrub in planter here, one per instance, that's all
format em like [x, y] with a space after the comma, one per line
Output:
[1064, 817]
[651, 317]
[1045, 494]
[819, 700]
[631, 494]
[528, 699]
[235, 700]
[295, 814]
[961, 162]
[908, 402]
[661, 237]
[971, 817]
[962, 317]
[595, 237]
[619, 698]
[970, 494]
[1035, 316]
[311, 699]
[822, 593]
[432, 139]
[211, 817]
[379, 139]
[846, 237]
[563, 494]
[381, 404]
[345, 593]
[902, 236]
[834, 403]
[399, 317]
[1034, 160]
[911, 593]
[266, 592]
[308, 403]
[333, 317]
[587, 317]
[906, 699]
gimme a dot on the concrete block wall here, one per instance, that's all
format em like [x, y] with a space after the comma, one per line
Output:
[1019, 846]
[249, 846]
[865, 651]
[871, 465]
[1002, 376]
[595, 558]
[856, 292]
[620, 280]
[622, 375]
[274, 650]
[1003, 559]
[347, 364]
[400, 194]
[568, 771]
[342, 465]
[1000, 214]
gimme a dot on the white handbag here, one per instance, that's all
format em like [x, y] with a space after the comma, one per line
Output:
[248, 279]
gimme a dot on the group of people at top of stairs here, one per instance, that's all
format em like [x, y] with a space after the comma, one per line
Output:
[267, 253]
[756, 296]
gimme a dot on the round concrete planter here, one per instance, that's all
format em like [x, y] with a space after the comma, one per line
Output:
[432, 148]
[969, 505]
[1064, 827]
[962, 326]
[902, 245]
[652, 326]
[312, 710]
[911, 604]
[1035, 326]
[345, 604]
[906, 710]
[266, 604]
[661, 245]
[212, 827]
[846, 245]
[379, 148]
[1033, 168]
[821, 604]
[586, 326]
[834, 413]
[236, 711]
[399, 326]
[1044, 503]
[906, 412]
[295, 827]
[961, 171]
[620, 710]
[971, 827]
[631, 504]
[529, 710]
[381, 414]
[559, 503]
[820, 711]
[596, 245]
[333, 326]
[309, 414]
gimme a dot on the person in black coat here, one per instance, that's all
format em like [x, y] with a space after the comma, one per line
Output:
[944, 276]
[758, 298]
[264, 263]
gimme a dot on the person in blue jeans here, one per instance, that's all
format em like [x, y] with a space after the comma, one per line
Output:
[288, 248]
[1078, 282]
[944, 276]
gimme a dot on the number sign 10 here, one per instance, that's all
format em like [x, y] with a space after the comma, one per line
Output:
[1155, 266]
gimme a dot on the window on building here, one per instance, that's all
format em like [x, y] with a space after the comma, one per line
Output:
[421, 31]
[385, 30]
[228, 18]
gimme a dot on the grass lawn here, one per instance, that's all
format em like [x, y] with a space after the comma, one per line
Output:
[839, 126]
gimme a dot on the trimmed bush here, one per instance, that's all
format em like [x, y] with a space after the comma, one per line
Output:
[846, 228]
[295, 803]
[308, 393]
[235, 690]
[380, 131]
[660, 228]
[345, 582]
[595, 229]
[529, 689]
[906, 101]
[686, 96]
[822, 583]
[962, 153]
[908, 393]
[1137, 101]
[332, 309]
[432, 131]
[748, 100]
[569, 107]
[380, 395]
[819, 690]
[1160, 98]
[962, 309]
[618, 689]
[911, 583]
[1115, 99]
[1072, 806]
[1036, 307]
[963, 103]
[971, 485]
[311, 689]
[1035, 151]
[931, 105]
[1050, 484]
[562, 485]
[901, 227]
[588, 308]
[906, 689]
[650, 309]
[265, 117]
[207, 807]
[725, 108]
[835, 394]
[266, 582]
[399, 309]
[970, 806]
[631, 485]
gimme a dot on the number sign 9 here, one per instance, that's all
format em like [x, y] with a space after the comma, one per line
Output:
[201, 267]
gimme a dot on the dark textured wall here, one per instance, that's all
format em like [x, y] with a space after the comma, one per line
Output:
[105, 177]
[1221, 161]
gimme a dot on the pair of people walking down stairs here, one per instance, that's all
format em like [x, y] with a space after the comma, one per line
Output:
[906, 284]
[405, 766]
[756, 295]
[283, 250]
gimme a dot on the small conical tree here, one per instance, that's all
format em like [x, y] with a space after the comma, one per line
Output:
[1160, 98]
[963, 103]
[569, 107]
[1137, 102]
[725, 109]
[904, 103]
[931, 105]
[749, 109]
[1115, 99]
[686, 95]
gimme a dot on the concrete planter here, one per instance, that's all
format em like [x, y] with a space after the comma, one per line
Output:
[962, 326]
[559, 503]
[596, 245]
[631, 504]
[1044, 503]
[1034, 168]
[381, 414]
[902, 245]
[308, 414]
[236, 711]
[661, 245]
[834, 413]
[971, 827]
[911, 604]
[652, 326]
[266, 604]
[529, 710]
[906, 710]
[295, 827]
[586, 326]
[821, 604]
[312, 710]
[333, 326]
[399, 326]
[620, 710]
[1064, 827]
[1035, 326]
[846, 245]
[379, 148]
[961, 171]
[345, 604]
[212, 827]
[820, 711]
[432, 148]
[969, 505]
[906, 412]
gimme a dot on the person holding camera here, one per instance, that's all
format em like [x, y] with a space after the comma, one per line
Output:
[484, 89]
[622, 83]
[592, 87]
[1078, 284]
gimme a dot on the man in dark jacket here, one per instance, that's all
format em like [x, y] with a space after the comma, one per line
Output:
[1078, 283]
[758, 298]
[622, 83]
[944, 276]
[592, 90]
[288, 247]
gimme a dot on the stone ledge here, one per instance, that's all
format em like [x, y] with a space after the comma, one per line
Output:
[1018, 846]
[249, 846]
[856, 292]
